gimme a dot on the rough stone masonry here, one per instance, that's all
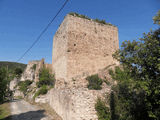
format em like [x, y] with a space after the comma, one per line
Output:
[81, 47]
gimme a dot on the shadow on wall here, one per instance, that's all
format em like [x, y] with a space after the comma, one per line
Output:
[32, 115]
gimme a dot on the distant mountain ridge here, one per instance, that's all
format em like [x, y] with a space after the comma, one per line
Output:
[12, 65]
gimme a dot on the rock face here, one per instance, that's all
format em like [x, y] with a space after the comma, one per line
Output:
[81, 48]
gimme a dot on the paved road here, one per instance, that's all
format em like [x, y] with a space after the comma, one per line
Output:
[22, 110]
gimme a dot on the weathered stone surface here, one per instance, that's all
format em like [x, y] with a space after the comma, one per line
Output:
[82, 46]
[33, 74]
[29, 73]
[42, 99]
[18, 93]
[76, 103]
[13, 83]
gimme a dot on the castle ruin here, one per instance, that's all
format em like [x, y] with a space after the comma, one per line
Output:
[81, 47]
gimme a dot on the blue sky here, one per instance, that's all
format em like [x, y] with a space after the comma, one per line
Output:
[21, 21]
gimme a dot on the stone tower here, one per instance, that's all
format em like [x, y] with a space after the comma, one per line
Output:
[82, 47]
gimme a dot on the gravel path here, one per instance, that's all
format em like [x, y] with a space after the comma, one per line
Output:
[22, 110]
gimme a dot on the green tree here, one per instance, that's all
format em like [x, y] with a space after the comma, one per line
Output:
[103, 112]
[157, 18]
[45, 78]
[18, 72]
[43, 90]
[138, 88]
[3, 84]
[23, 86]
[127, 99]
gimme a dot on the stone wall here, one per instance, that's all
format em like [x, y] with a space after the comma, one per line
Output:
[49, 67]
[91, 46]
[82, 46]
[75, 103]
[29, 73]
[33, 74]
[59, 57]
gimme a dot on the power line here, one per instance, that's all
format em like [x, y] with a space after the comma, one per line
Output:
[45, 29]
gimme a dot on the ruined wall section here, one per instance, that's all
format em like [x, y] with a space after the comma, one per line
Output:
[49, 67]
[59, 57]
[90, 46]
[29, 73]
[75, 103]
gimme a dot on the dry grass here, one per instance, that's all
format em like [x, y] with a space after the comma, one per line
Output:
[5, 111]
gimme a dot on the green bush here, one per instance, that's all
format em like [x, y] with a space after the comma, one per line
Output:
[103, 112]
[45, 78]
[86, 17]
[18, 72]
[23, 85]
[127, 101]
[34, 67]
[107, 82]
[4, 83]
[79, 15]
[43, 90]
[94, 82]
[100, 21]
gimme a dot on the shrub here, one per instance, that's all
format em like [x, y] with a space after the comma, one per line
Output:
[100, 21]
[102, 110]
[45, 78]
[4, 83]
[86, 17]
[94, 82]
[18, 72]
[23, 85]
[43, 90]
[127, 100]
[79, 15]
[107, 82]
[34, 67]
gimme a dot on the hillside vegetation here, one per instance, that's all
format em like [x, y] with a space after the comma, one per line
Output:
[8, 71]
[12, 65]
